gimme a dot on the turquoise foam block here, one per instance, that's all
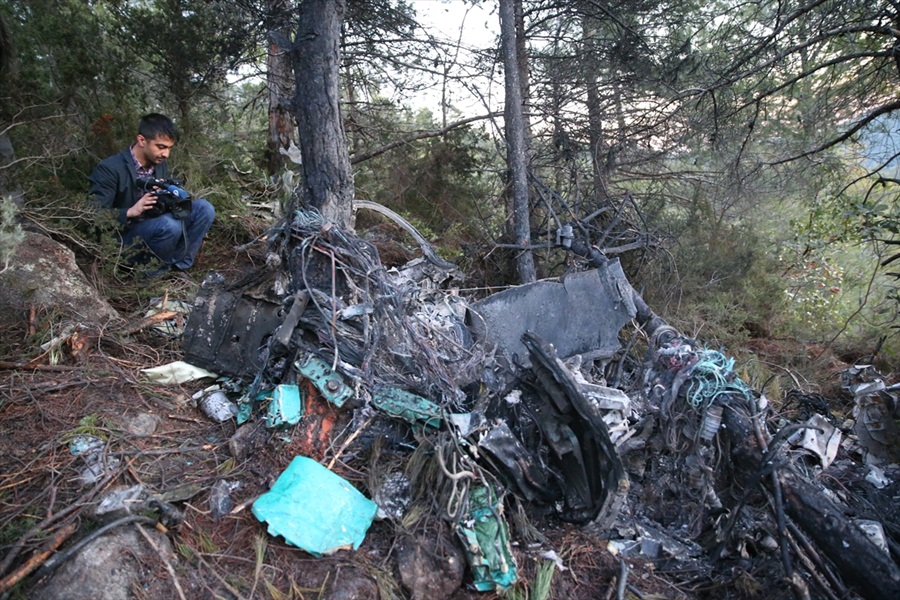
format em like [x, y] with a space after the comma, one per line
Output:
[315, 509]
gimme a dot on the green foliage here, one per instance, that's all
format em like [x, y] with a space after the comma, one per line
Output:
[186, 47]
[185, 550]
[727, 282]
[87, 425]
[830, 263]
[440, 184]
[63, 69]
[15, 529]
[540, 588]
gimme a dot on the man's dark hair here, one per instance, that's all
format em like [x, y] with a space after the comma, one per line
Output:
[155, 125]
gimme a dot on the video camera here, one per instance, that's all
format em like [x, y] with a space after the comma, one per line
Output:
[170, 197]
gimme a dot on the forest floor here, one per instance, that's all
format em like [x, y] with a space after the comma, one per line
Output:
[95, 387]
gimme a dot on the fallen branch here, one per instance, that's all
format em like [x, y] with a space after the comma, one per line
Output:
[349, 441]
[17, 547]
[157, 451]
[29, 366]
[38, 559]
[622, 579]
[49, 566]
[215, 574]
[813, 569]
[146, 322]
[163, 558]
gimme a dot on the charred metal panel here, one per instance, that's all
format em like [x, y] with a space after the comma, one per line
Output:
[520, 466]
[580, 314]
[227, 332]
[593, 466]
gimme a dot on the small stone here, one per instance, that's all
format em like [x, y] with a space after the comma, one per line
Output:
[247, 439]
[769, 543]
[142, 424]
[352, 584]
[430, 567]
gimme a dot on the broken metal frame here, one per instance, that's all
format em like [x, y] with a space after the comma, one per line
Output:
[757, 463]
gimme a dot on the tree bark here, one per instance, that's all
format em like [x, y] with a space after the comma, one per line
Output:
[316, 56]
[278, 83]
[596, 139]
[516, 153]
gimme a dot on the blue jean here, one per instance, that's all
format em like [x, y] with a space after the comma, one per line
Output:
[175, 242]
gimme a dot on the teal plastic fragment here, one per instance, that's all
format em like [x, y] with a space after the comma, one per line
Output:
[407, 406]
[315, 509]
[286, 406]
[486, 537]
[245, 409]
[246, 404]
[330, 383]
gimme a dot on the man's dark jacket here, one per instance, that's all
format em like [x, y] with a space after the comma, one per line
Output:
[114, 183]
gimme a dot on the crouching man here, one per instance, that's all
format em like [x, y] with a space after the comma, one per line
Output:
[167, 223]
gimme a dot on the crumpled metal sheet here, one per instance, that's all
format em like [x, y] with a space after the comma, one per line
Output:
[596, 482]
[507, 455]
[819, 437]
[581, 314]
[874, 411]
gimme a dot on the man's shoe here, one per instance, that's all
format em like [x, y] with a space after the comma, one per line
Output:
[157, 272]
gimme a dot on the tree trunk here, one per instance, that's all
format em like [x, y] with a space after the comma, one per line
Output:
[516, 152]
[327, 178]
[596, 139]
[278, 83]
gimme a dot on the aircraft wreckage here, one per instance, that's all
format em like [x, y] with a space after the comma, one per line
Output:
[523, 395]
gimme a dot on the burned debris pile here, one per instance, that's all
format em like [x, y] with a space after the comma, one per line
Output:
[326, 294]
[500, 411]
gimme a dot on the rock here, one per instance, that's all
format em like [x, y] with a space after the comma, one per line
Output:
[111, 568]
[220, 502]
[352, 584]
[247, 440]
[430, 568]
[43, 274]
[141, 424]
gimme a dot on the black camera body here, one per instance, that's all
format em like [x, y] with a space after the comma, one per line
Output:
[170, 197]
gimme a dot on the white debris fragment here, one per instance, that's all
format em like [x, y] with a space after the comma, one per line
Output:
[875, 532]
[876, 477]
[514, 397]
[820, 438]
[552, 555]
[176, 372]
